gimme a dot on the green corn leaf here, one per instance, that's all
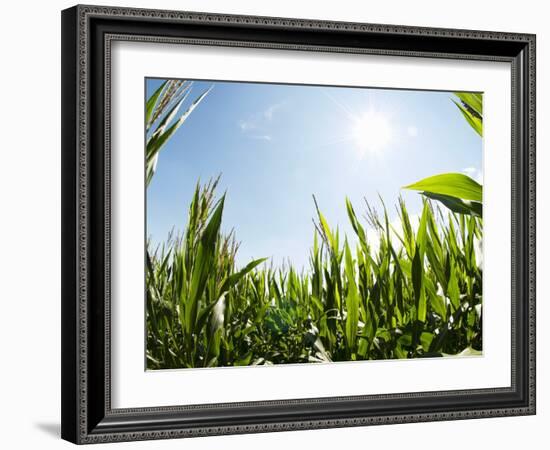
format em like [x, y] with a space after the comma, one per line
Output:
[438, 305]
[357, 227]
[450, 184]
[202, 264]
[163, 134]
[152, 102]
[473, 100]
[418, 286]
[408, 235]
[327, 232]
[436, 264]
[457, 205]
[352, 300]
[244, 360]
[169, 117]
[233, 279]
[474, 121]
[453, 291]
[157, 140]
[426, 340]
[422, 233]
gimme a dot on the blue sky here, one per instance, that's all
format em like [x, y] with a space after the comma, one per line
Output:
[276, 145]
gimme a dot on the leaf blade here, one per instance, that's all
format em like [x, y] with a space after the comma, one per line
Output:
[450, 184]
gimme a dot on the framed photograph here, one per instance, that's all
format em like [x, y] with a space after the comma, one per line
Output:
[280, 224]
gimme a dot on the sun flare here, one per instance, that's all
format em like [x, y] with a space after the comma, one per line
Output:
[372, 132]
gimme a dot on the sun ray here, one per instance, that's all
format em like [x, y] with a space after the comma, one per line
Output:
[340, 105]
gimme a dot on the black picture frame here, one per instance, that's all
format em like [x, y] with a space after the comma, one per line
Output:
[87, 32]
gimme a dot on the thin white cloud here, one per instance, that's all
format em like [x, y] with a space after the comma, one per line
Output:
[246, 125]
[268, 113]
[261, 137]
[256, 125]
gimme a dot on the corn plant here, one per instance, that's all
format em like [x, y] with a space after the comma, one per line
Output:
[458, 192]
[162, 118]
[187, 286]
[471, 107]
[418, 294]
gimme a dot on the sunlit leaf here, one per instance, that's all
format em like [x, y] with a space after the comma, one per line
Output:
[450, 184]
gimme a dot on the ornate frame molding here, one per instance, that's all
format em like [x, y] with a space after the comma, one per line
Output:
[83, 421]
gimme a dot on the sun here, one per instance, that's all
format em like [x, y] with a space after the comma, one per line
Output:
[372, 132]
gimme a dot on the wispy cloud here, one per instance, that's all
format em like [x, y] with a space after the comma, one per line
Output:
[261, 137]
[268, 113]
[247, 125]
[256, 126]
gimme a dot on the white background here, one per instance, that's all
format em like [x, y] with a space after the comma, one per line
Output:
[133, 387]
[30, 226]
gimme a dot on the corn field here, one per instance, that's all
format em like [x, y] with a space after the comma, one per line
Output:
[418, 294]
[415, 291]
